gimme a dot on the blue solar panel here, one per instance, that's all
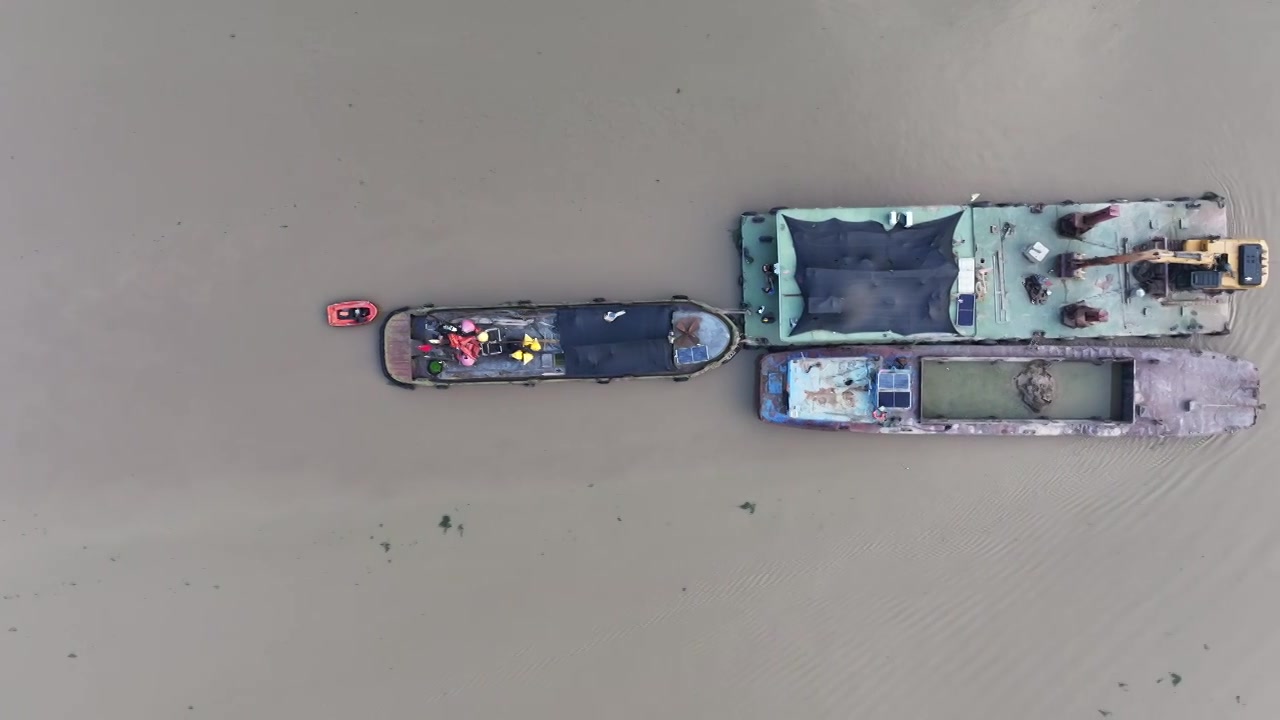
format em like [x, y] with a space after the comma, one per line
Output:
[692, 355]
[893, 389]
[894, 399]
[966, 310]
[894, 380]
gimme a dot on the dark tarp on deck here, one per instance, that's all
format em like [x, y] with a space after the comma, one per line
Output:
[635, 343]
[859, 277]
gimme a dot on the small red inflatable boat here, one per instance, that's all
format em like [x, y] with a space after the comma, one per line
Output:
[355, 312]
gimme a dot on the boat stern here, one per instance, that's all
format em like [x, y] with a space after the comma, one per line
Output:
[1198, 393]
[397, 348]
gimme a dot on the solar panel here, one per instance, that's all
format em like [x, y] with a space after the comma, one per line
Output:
[894, 399]
[894, 380]
[966, 311]
[692, 355]
[893, 389]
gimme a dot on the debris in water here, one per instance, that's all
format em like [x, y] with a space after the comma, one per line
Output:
[461, 527]
[1206, 646]
[445, 523]
[386, 546]
[1124, 686]
[73, 656]
[750, 507]
[1237, 699]
[13, 629]
[1175, 678]
[1104, 713]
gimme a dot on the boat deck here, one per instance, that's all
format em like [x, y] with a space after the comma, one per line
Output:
[989, 244]
[506, 330]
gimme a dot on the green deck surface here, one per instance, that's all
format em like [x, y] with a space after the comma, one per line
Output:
[765, 240]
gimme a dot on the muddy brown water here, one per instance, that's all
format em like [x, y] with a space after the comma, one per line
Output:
[198, 475]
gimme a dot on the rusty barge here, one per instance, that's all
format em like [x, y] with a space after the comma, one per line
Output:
[1010, 390]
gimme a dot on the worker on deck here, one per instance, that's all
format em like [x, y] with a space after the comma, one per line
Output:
[462, 338]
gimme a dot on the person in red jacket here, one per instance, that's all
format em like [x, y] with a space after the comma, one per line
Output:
[462, 339]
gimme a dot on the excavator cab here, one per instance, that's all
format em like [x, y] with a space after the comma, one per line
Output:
[1234, 265]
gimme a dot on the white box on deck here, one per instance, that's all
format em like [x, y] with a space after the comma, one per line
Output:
[1036, 253]
[966, 275]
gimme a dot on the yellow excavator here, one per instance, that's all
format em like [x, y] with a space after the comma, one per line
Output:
[1204, 265]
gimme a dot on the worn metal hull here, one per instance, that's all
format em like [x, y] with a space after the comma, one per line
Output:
[407, 359]
[990, 254]
[1170, 392]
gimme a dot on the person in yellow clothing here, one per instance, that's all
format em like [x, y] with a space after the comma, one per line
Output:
[527, 349]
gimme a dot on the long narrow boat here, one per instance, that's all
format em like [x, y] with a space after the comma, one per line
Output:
[1010, 390]
[527, 344]
[1004, 273]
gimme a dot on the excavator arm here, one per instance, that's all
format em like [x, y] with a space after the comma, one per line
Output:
[1160, 257]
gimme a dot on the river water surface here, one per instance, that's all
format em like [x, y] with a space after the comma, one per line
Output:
[212, 506]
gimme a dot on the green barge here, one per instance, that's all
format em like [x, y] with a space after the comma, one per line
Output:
[984, 272]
